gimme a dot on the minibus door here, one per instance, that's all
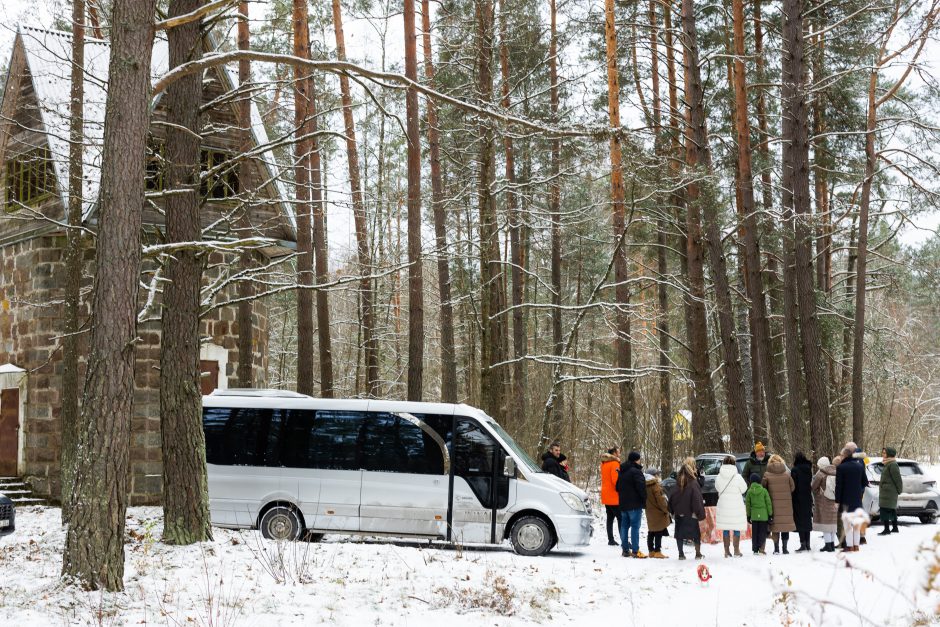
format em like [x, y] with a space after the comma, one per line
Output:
[481, 488]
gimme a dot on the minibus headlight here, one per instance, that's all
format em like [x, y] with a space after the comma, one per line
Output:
[573, 501]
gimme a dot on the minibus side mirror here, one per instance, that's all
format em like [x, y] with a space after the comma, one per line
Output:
[509, 467]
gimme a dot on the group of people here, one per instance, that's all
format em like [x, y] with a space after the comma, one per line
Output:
[771, 498]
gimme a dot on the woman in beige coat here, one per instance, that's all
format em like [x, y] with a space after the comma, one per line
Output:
[780, 485]
[826, 514]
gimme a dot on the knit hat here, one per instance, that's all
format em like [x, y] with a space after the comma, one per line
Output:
[759, 447]
[634, 456]
[891, 451]
[653, 472]
[823, 462]
[755, 478]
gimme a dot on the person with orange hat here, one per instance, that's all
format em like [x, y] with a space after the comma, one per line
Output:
[757, 464]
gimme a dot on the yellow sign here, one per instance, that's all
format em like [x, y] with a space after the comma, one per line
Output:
[682, 426]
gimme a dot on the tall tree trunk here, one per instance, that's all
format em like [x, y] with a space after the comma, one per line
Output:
[94, 543]
[844, 396]
[415, 274]
[185, 486]
[448, 351]
[519, 336]
[666, 443]
[492, 379]
[707, 436]
[361, 219]
[246, 291]
[767, 377]
[861, 268]
[795, 134]
[554, 212]
[623, 343]
[302, 192]
[320, 248]
[73, 260]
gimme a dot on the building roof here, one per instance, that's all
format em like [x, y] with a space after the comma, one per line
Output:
[48, 55]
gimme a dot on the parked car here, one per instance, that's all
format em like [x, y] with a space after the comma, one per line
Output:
[708, 465]
[7, 516]
[920, 497]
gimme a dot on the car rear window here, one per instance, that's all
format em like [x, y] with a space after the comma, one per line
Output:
[908, 470]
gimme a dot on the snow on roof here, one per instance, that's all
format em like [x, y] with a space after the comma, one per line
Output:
[48, 58]
[8, 368]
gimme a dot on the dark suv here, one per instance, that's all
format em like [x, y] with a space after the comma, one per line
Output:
[708, 465]
[7, 520]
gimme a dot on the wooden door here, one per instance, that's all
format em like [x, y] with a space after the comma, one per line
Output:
[9, 430]
[209, 380]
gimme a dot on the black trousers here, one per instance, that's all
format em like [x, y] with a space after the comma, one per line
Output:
[759, 535]
[654, 540]
[613, 515]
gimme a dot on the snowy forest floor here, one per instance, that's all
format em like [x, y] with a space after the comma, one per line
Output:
[240, 579]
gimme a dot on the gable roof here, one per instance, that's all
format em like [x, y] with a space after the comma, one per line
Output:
[48, 60]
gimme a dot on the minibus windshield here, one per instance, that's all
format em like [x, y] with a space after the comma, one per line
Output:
[520, 454]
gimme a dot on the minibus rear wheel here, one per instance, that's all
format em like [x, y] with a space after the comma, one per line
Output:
[281, 522]
[531, 536]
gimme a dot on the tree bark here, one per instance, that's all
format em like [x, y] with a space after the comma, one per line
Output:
[94, 543]
[415, 274]
[246, 291]
[623, 342]
[448, 352]
[795, 134]
[554, 211]
[74, 253]
[185, 485]
[767, 377]
[302, 192]
[698, 159]
[492, 379]
[369, 341]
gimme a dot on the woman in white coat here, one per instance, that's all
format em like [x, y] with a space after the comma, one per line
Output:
[732, 515]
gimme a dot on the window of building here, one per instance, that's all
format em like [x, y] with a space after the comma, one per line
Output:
[30, 178]
[222, 182]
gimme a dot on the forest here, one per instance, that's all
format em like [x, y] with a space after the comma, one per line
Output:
[671, 226]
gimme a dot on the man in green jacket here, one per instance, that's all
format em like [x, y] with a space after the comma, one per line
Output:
[756, 464]
[891, 486]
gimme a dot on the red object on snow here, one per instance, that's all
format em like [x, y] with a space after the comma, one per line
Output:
[703, 574]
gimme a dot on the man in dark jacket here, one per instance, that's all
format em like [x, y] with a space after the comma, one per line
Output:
[631, 488]
[889, 490]
[553, 462]
[850, 488]
[757, 463]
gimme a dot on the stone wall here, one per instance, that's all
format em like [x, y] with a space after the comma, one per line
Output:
[31, 292]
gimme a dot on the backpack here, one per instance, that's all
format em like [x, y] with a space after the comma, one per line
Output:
[830, 491]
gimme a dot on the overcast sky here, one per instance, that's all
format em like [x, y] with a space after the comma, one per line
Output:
[362, 43]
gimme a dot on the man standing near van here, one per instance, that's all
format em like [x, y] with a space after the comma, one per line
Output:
[631, 488]
[553, 462]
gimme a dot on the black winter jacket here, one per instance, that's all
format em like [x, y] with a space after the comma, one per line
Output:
[631, 486]
[802, 474]
[850, 484]
[552, 465]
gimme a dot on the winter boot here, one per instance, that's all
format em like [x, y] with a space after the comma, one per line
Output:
[681, 552]
[625, 553]
[698, 551]
[887, 529]
[776, 547]
[829, 548]
[640, 555]
[861, 542]
[894, 527]
[737, 546]
[786, 538]
[727, 541]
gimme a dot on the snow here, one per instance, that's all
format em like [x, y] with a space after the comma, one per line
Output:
[241, 579]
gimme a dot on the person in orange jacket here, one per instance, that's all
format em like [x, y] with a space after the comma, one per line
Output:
[610, 466]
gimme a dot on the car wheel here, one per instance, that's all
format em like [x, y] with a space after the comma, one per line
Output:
[928, 519]
[531, 536]
[281, 522]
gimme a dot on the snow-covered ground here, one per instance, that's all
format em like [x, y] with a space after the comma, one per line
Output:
[240, 579]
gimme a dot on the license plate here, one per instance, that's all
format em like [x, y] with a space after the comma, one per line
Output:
[4, 523]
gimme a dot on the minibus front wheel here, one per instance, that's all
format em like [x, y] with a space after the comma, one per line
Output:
[281, 522]
[531, 536]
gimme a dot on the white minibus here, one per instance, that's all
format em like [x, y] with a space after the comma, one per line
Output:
[293, 466]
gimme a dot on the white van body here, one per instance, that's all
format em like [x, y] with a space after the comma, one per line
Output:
[289, 465]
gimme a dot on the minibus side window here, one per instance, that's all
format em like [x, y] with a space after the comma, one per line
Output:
[335, 442]
[391, 443]
[242, 436]
[475, 455]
